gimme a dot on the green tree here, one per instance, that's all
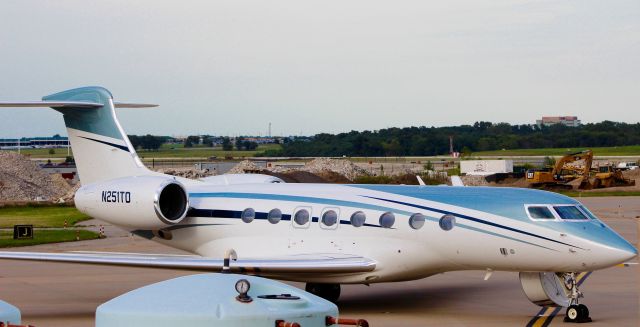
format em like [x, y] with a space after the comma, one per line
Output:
[239, 143]
[150, 142]
[135, 141]
[226, 144]
[249, 145]
[207, 140]
[191, 141]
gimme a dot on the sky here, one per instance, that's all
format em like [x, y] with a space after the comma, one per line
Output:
[231, 67]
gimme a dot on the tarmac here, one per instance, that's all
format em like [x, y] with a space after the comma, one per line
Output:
[50, 294]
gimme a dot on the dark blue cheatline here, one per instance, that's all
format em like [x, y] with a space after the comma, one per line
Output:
[472, 219]
[121, 147]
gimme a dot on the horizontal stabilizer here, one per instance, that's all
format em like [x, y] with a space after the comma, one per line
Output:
[320, 263]
[51, 104]
[71, 104]
[133, 105]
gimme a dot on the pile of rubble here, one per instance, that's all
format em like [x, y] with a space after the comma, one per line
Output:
[187, 172]
[474, 180]
[343, 167]
[244, 166]
[22, 180]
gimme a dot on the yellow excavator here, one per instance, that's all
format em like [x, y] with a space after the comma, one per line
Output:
[567, 173]
[563, 172]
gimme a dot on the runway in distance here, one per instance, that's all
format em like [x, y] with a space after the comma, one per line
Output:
[326, 234]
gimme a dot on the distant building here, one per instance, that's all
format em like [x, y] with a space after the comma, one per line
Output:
[571, 121]
[55, 141]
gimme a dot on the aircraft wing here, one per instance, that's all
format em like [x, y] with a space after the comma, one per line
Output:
[316, 263]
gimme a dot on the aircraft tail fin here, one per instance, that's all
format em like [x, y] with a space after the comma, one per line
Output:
[101, 148]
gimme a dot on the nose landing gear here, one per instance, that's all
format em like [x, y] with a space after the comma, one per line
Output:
[576, 312]
[330, 292]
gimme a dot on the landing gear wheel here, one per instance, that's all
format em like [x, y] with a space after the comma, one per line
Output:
[576, 312]
[329, 292]
[583, 311]
[573, 313]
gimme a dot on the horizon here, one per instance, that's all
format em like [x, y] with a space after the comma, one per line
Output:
[64, 134]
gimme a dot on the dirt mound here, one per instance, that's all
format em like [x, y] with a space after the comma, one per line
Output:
[22, 180]
[474, 180]
[186, 172]
[632, 174]
[68, 197]
[244, 166]
[343, 167]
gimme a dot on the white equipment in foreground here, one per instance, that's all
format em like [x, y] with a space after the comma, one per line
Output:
[321, 234]
[209, 300]
[9, 315]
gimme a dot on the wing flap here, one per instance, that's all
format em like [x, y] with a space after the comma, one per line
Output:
[320, 263]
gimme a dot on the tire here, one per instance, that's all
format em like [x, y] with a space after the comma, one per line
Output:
[583, 311]
[573, 313]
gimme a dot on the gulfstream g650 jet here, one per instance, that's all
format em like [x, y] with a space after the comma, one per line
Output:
[325, 235]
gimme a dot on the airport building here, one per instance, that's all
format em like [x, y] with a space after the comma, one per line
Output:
[55, 141]
[570, 121]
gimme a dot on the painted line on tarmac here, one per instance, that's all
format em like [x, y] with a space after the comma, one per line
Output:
[627, 264]
[544, 317]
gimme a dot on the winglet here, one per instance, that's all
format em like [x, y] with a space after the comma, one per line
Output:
[456, 181]
[420, 181]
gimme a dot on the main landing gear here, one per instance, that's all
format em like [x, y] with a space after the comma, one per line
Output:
[329, 292]
[576, 312]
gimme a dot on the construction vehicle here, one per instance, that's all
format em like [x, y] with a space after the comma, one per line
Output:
[563, 172]
[610, 176]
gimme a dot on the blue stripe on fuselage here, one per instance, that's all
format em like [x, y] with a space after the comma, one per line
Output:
[294, 198]
[473, 219]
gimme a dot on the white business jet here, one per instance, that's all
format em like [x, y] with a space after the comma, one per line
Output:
[321, 234]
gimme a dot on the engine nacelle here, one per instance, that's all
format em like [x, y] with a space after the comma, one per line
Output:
[145, 202]
[545, 289]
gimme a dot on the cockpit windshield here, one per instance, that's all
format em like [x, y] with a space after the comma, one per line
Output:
[540, 212]
[570, 213]
[556, 212]
[587, 212]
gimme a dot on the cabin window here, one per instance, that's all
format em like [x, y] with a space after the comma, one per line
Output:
[416, 221]
[387, 220]
[274, 216]
[447, 222]
[301, 217]
[329, 218]
[570, 213]
[358, 218]
[248, 215]
[540, 212]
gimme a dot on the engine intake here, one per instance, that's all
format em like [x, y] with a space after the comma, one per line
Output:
[172, 203]
[144, 202]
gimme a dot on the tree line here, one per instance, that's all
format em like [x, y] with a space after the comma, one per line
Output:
[153, 143]
[481, 136]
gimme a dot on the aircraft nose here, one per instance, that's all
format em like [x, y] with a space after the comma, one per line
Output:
[623, 252]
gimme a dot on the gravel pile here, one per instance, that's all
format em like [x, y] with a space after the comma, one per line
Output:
[474, 180]
[343, 167]
[244, 167]
[186, 172]
[22, 180]
[68, 197]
